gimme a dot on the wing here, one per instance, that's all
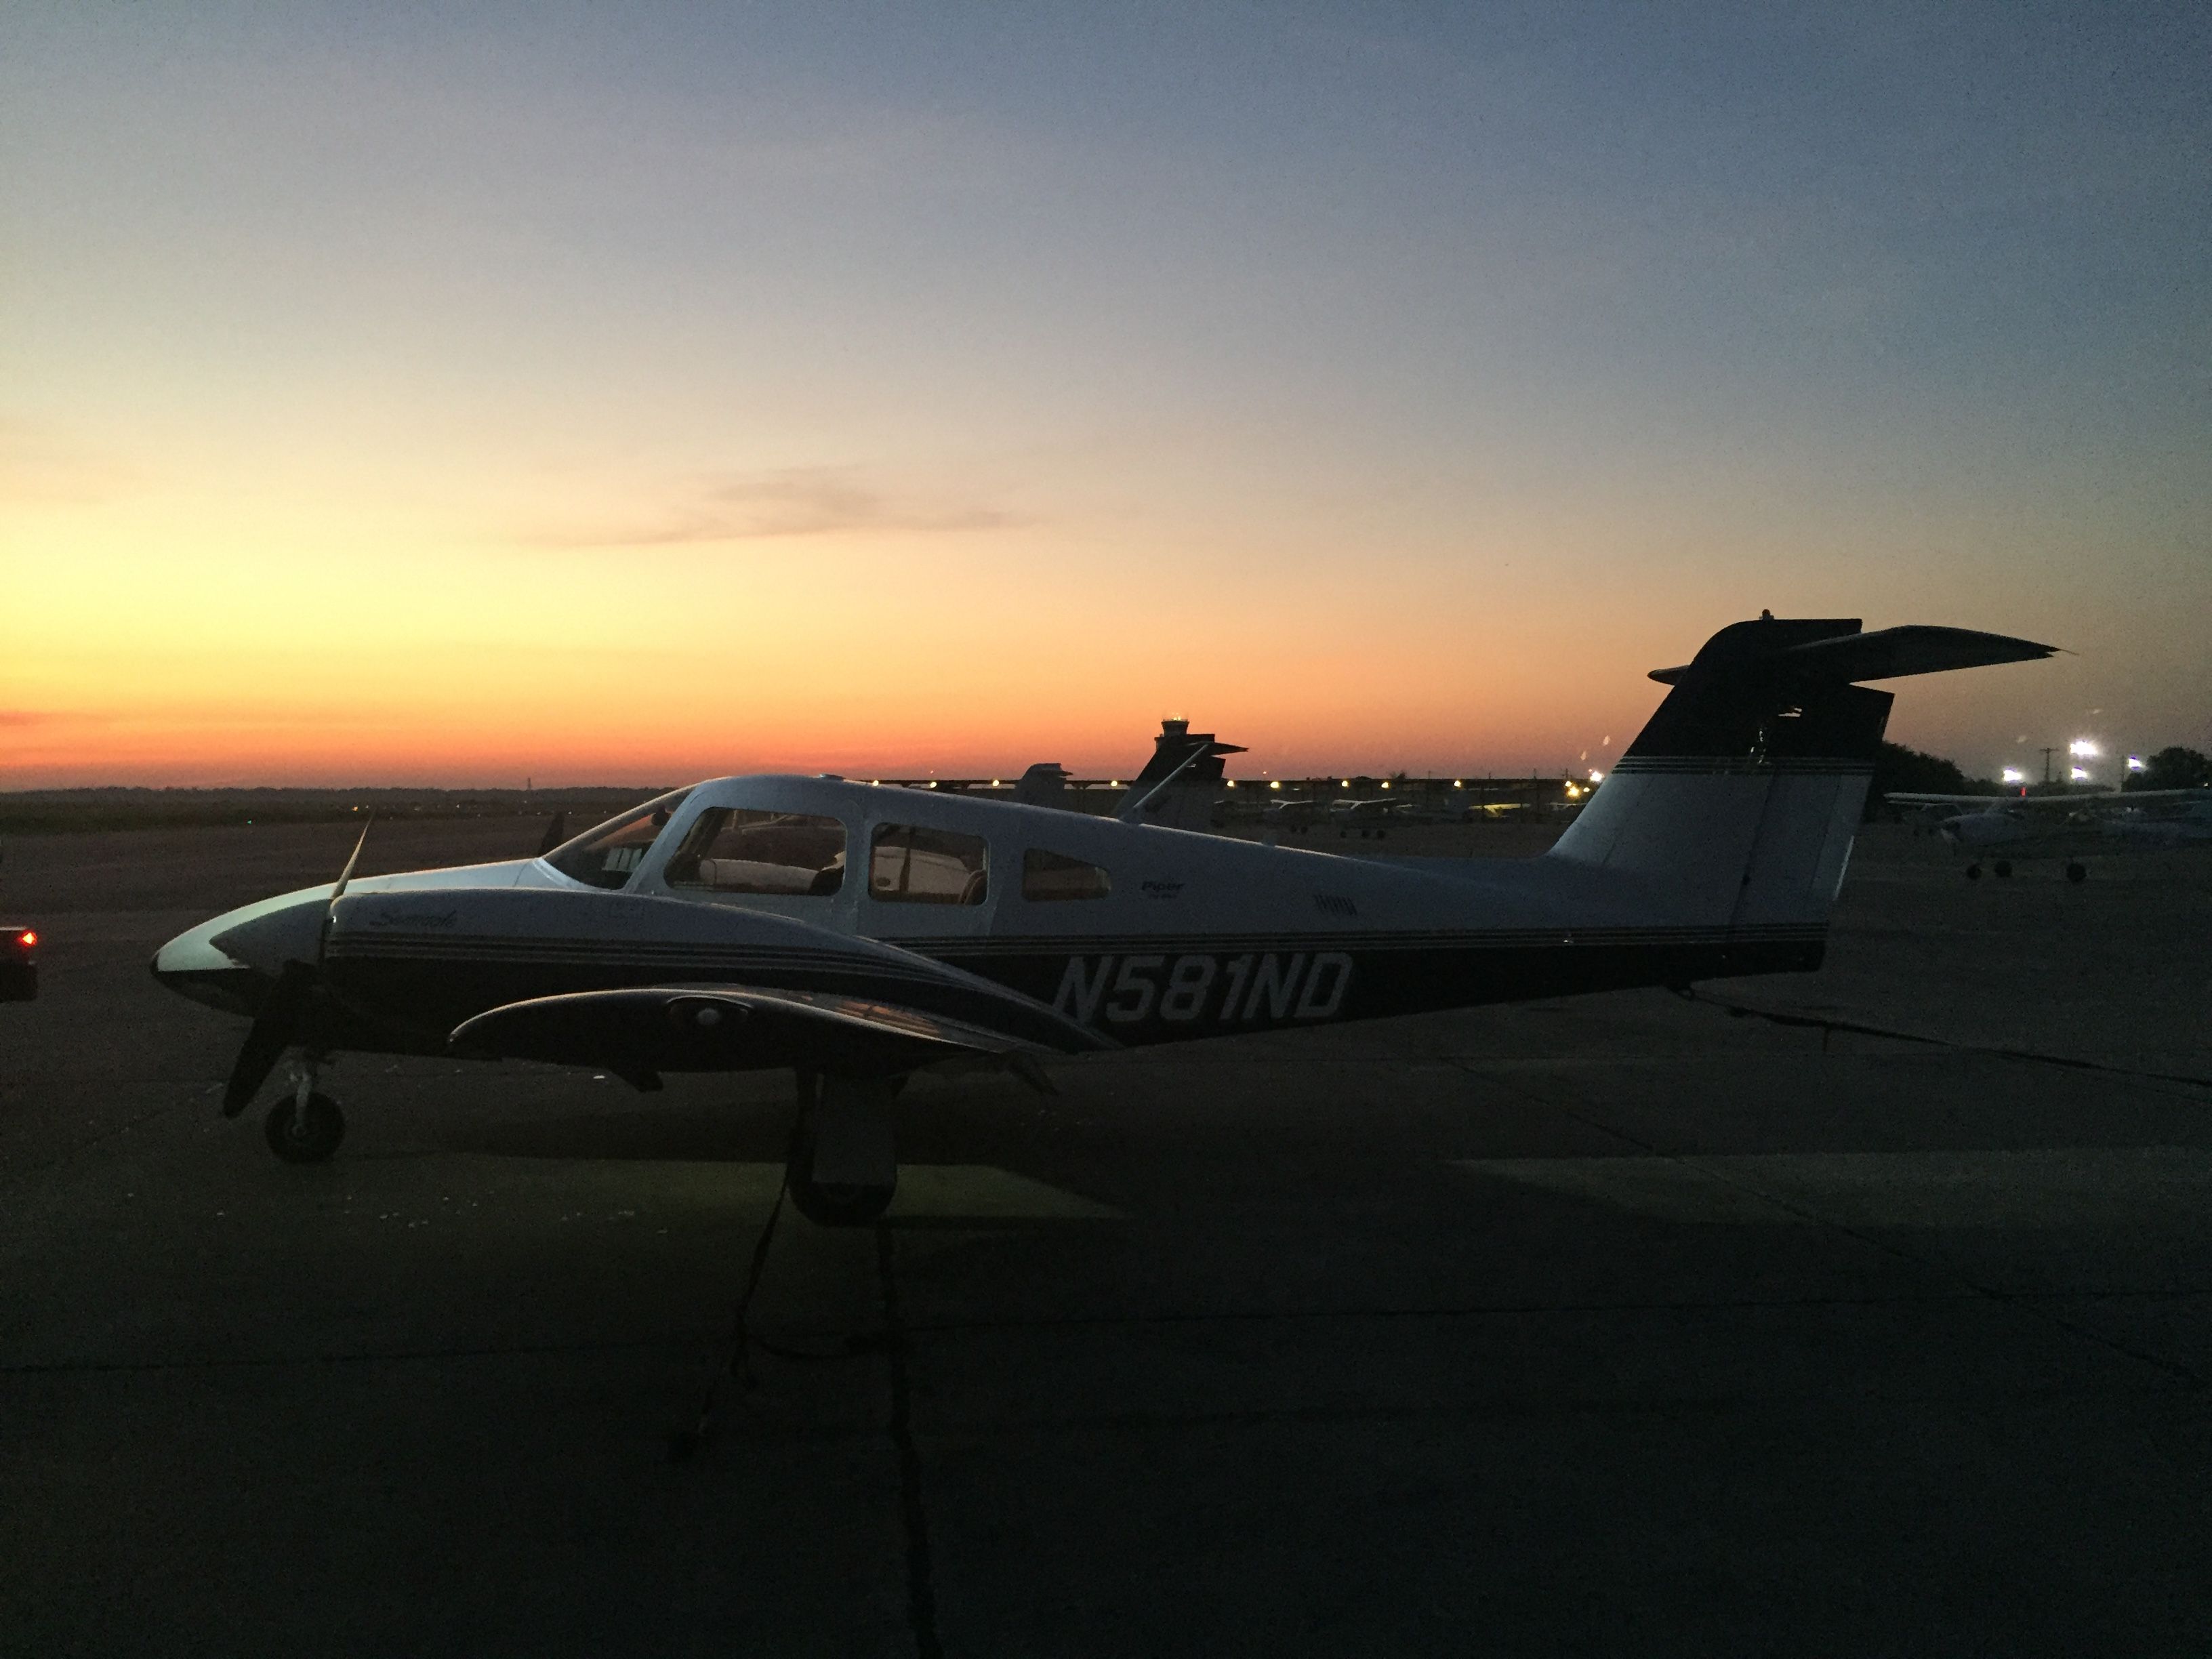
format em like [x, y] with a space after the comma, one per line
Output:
[1991, 803]
[643, 1030]
[1910, 798]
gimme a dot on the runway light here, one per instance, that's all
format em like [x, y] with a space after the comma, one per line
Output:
[1232, 783]
[2135, 763]
[995, 783]
[2081, 775]
[1457, 784]
[1596, 776]
[2084, 748]
[2014, 775]
[1347, 784]
[28, 938]
[1275, 784]
[1386, 783]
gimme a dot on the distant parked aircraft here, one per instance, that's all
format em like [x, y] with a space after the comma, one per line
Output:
[2067, 827]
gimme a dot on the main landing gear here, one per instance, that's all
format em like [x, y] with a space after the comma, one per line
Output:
[304, 1127]
[843, 1167]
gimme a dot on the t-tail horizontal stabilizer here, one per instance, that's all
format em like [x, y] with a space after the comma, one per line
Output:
[1737, 803]
[1891, 653]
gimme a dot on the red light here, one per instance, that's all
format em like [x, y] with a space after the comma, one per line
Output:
[28, 938]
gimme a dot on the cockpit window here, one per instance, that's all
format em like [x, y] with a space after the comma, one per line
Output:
[736, 849]
[609, 855]
[912, 866]
[1055, 876]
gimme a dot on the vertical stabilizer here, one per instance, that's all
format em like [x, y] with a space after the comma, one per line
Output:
[1176, 788]
[1737, 803]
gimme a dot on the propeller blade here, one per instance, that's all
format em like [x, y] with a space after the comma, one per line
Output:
[276, 1024]
[331, 911]
[274, 1027]
[346, 874]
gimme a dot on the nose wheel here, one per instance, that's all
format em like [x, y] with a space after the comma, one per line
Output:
[305, 1128]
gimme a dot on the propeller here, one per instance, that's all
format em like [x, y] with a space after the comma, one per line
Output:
[282, 1012]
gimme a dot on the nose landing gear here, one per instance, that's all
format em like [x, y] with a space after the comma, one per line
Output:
[304, 1127]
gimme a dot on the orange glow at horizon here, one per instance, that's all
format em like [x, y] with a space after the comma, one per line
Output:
[282, 644]
[273, 646]
[270, 646]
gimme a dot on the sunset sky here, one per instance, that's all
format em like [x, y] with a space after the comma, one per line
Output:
[449, 395]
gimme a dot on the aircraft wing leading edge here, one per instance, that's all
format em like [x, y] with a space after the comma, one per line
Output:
[711, 1027]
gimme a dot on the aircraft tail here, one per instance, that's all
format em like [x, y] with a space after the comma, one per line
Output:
[1044, 784]
[1740, 799]
[1178, 785]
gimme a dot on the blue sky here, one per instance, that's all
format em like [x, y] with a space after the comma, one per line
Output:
[1472, 359]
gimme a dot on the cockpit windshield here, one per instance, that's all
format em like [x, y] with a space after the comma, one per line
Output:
[609, 855]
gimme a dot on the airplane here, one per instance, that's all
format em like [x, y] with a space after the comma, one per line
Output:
[2066, 826]
[1366, 812]
[1191, 765]
[1044, 784]
[855, 934]
[1176, 790]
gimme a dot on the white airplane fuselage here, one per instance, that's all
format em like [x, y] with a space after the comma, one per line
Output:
[855, 934]
[1194, 935]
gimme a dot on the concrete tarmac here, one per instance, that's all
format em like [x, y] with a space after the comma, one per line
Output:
[1621, 1324]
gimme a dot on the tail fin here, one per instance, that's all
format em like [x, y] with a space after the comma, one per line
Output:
[1190, 764]
[1044, 784]
[1740, 799]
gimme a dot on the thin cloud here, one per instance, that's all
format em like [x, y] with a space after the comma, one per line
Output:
[790, 502]
[40, 465]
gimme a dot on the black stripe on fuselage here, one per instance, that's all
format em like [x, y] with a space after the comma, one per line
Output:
[1132, 989]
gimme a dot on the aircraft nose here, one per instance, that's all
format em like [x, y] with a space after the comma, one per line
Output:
[229, 961]
[268, 937]
[192, 966]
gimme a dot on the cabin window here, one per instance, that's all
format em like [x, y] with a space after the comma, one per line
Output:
[913, 866]
[736, 849]
[608, 855]
[1048, 876]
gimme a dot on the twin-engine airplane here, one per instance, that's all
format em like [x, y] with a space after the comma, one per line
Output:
[855, 934]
